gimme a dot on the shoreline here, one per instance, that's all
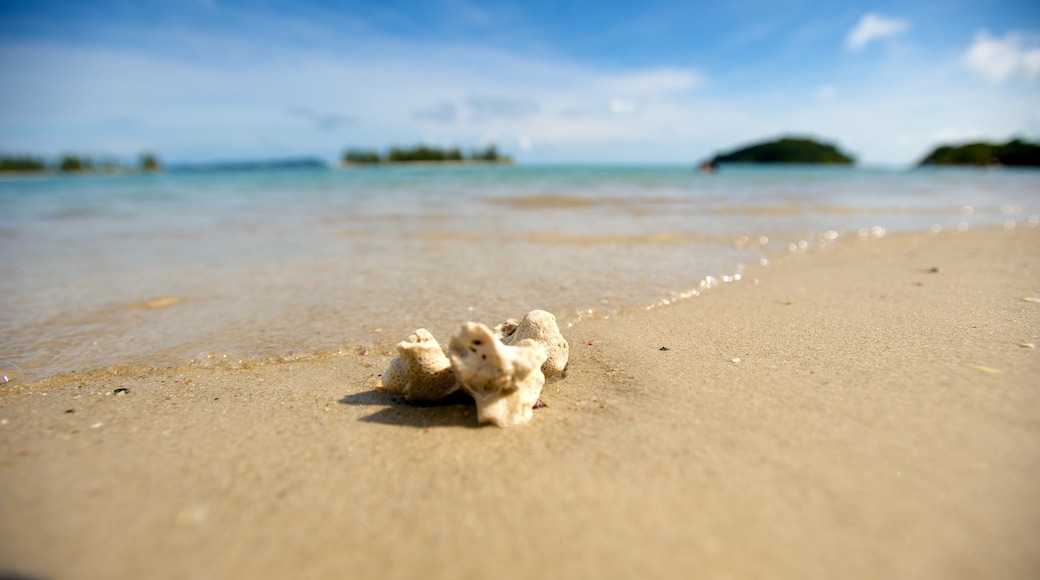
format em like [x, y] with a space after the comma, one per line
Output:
[383, 342]
[862, 410]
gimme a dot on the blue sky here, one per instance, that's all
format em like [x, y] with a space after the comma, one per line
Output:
[639, 82]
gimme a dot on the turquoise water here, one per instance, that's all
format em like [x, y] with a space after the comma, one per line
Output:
[206, 267]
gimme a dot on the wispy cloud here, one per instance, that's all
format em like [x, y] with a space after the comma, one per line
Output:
[442, 112]
[485, 107]
[468, 12]
[826, 92]
[621, 106]
[874, 27]
[322, 121]
[195, 95]
[999, 59]
[653, 82]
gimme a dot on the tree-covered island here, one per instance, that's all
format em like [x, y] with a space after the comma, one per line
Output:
[423, 154]
[1014, 152]
[74, 164]
[22, 163]
[784, 150]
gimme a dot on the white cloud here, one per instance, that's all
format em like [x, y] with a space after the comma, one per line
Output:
[621, 106]
[467, 12]
[653, 82]
[502, 106]
[873, 27]
[442, 112]
[325, 121]
[1000, 59]
[826, 92]
[185, 107]
[189, 108]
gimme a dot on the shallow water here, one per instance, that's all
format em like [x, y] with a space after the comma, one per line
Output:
[209, 266]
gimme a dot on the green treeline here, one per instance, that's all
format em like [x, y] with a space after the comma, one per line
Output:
[785, 150]
[149, 162]
[74, 163]
[422, 153]
[14, 163]
[1014, 152]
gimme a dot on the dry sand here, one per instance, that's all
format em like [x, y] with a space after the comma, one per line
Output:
[883, 421]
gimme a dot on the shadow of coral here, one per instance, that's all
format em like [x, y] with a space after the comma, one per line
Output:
[457, 410]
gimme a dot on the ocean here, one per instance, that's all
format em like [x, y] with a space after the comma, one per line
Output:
[233, 266]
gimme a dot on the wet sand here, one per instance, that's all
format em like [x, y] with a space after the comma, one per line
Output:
[868, 410]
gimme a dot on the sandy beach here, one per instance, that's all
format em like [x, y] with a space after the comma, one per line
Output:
[867, 410]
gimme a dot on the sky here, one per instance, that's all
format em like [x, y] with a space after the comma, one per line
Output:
[547, 81]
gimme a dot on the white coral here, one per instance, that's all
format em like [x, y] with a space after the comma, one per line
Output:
[541, 327]
[504, 380]
[503, 370]
[421, 372]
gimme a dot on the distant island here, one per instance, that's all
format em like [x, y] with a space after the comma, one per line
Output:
[254, 165]
[784, 150]
[74, 164]
[1014, 152]
[148, 162]
[423, 154]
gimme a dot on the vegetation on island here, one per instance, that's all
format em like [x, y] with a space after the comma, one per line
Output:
[149, 162]
[785, 150]
[491, 154]
[360, 157]
[74, 163]
[1014, 152]
[423, 154]
[22, 163]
